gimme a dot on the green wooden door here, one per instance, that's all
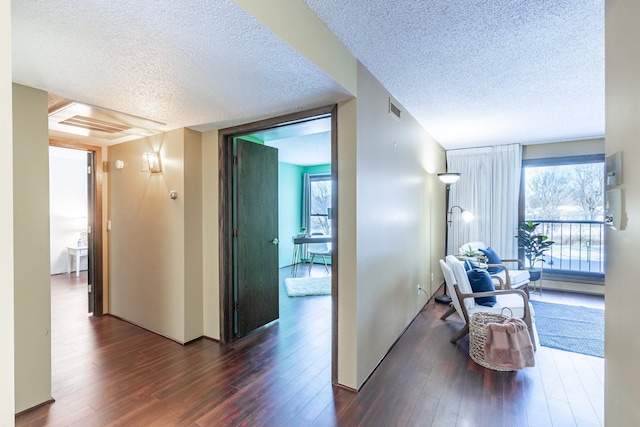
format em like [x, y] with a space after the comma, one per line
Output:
[256, 284]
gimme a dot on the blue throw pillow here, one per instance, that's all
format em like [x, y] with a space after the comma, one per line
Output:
[492, 258]
[481, 282]
[469, 265]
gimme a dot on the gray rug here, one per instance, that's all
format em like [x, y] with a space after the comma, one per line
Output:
[305, 286]
[571, 328]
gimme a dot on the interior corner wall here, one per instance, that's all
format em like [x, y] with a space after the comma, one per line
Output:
[147, 236]
[32, 295]
[7, 390]
[193, 261]
[622, 293]
[210, 236]
[347, 249]
[396, 195]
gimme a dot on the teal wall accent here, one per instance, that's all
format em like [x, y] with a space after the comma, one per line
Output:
[316, 169]
[289, 209]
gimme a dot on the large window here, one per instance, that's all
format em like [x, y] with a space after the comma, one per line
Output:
[320, 204]
[566, 195]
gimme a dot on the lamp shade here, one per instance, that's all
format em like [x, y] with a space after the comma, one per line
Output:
[467, 216]
[449, 177]
[150, 162]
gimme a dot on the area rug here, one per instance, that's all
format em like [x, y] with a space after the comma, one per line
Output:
[305, 286]
[571, 328]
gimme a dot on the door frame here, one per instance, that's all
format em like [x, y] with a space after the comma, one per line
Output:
[96, 220]
[225, 168]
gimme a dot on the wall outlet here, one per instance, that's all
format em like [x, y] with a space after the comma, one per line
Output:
[419, 290]
[432, 276]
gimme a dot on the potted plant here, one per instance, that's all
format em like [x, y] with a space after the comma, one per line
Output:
[534, 245]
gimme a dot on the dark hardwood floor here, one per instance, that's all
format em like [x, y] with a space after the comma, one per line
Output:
[107, 372]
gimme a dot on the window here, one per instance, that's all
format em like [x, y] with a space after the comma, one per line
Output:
[320, 204]
[566, 195]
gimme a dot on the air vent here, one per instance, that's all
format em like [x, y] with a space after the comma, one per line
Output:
[394, 110]
[100, 124]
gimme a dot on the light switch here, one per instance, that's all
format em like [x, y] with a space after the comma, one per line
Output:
[109, 225]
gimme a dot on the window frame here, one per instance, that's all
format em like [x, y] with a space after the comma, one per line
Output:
[314, 178]
[586, 277]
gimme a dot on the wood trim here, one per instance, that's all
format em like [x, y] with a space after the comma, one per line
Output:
[98, 291]
[33, 408]
[334, 245]
[225, 156]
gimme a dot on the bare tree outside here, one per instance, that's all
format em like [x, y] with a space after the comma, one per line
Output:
[547, 189]
[320, 204]
[587, 188]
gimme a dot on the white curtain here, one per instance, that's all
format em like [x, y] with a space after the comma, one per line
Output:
[489, 188]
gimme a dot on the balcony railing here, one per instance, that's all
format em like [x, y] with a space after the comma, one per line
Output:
[578, 248]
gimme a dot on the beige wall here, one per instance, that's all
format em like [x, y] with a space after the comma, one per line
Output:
[563, 149]
[151, 244]
[622, 336]
[396, 193]
[347, 249]
[32, 299]
[210, 248]
[7, 394]
[193, 307]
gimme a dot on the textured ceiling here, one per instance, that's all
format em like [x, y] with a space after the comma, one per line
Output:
[200, 63]
[483, 72]
[473, 72]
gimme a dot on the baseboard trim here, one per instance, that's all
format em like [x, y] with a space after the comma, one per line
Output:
[39, 405]
[388, 351]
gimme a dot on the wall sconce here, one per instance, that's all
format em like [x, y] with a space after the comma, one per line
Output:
[150, 162]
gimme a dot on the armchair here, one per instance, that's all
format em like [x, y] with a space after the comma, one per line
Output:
[517, 278]
[463, 299]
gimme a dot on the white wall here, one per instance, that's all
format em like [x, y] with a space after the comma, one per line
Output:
[32, 298]
[68, 204]
[7, 393]
[622, 291]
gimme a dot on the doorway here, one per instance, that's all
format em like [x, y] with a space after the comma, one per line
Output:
[227, 208]
[79, 247]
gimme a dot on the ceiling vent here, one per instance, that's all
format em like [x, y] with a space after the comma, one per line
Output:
[101, 124]
[394, 110]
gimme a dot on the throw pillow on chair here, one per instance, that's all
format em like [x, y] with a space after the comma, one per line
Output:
[481, 281]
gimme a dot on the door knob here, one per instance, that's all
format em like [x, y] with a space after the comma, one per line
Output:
[275, 241]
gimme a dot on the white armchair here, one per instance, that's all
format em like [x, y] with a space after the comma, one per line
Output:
[463, 300]
[512, 278]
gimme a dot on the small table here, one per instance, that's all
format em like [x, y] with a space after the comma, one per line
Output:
[76, 252]
[298, 241]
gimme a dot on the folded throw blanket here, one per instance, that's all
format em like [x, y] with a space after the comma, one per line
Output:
[508, 345]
